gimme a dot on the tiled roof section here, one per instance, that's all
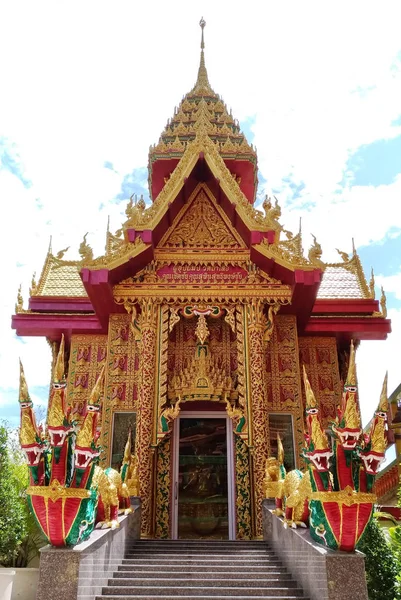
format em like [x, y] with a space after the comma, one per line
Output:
[338, 282]
[60, 280]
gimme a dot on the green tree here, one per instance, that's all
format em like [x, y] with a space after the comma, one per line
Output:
[380, 564]
[13, 525]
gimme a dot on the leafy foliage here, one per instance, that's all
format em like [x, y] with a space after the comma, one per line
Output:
[13, 526]
[20, 537]
[380, 564]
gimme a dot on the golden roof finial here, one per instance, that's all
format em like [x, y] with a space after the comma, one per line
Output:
[98, 388]
[127, 449]
[23, 387]
[351, 377]
[59, 375]
[202, 84]
[280, 450]
[372, 284]
[383, 404]
[19, 306]
[311, 401]
[383, 303]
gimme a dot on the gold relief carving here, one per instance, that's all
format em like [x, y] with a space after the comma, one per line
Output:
[243, 491]
[230, 318]
[242, 374]
[256, 317]
[84, 368]
[161, 375]
[148, 317]
[283, 377]
[55, 491]
[163, 494]
[201, 224]
[202, 331]
[347, 496]
[174, 318]
[256, 322]
[268, 330]
[146, 409]
[83, 354]
[319, 355]
[121, 381]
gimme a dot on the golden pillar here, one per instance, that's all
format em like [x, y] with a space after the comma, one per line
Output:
[256, 325]
[144, 450]
[395, 425]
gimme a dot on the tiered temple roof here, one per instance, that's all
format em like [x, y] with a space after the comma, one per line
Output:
[202, 150]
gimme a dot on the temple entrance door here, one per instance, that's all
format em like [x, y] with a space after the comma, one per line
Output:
[203, 477]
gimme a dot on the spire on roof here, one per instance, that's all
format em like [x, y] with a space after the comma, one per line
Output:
[202, 84]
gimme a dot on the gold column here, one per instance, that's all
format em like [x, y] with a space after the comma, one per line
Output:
[256, 324]
[144, 450]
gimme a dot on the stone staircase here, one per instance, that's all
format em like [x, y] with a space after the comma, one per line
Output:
[201, 569]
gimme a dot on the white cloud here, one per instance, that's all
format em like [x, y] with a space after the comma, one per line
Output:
[391, 283]
[374, 358]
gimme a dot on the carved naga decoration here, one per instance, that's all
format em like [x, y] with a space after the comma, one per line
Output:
[339, 484]
[68, 493]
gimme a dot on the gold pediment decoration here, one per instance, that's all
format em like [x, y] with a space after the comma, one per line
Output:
[201, 224]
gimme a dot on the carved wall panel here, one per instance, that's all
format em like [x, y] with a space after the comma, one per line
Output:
[182, 345]
[87, 357]
[163, 489]
[122, 370]
[243, 490]
[319, 355]
[283, 376]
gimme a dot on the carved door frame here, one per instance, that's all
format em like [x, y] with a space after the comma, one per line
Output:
[230, 468]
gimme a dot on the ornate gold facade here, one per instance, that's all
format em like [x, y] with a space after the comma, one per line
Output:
[202, 304]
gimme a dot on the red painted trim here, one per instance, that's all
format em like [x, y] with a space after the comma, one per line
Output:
[359, 328]
[52, 325]
[60, 304]
[360, 306]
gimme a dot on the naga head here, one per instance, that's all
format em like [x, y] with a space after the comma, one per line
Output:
[86, 448]
[29, 435]
[375, 441]
[58, 424]
[347, 428]
[317, 451]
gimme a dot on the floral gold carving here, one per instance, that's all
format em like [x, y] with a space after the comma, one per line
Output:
[201, 226]
[319, 356]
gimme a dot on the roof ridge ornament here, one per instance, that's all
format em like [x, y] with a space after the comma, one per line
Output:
[202, 84]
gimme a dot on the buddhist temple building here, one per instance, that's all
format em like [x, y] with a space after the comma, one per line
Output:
[203, 310]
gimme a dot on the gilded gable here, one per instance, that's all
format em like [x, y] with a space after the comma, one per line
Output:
[202, 224]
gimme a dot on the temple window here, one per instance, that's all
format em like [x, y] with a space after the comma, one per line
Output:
[282, 423]
[122, 423]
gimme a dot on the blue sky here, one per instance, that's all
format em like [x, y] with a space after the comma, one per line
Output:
[89, 87]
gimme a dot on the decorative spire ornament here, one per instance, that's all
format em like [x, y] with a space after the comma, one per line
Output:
[202, 85]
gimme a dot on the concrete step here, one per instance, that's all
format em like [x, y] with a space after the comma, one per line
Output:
[226, 545]
[257, 573]
[199, 582]
[203, 560]
[264, 596]
[195, 591]
[192, 570]
[191, 551]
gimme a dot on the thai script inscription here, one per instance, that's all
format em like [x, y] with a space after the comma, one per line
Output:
[195, 274]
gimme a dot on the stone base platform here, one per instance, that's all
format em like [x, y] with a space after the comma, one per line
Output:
[322, 573]
[68, 573]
